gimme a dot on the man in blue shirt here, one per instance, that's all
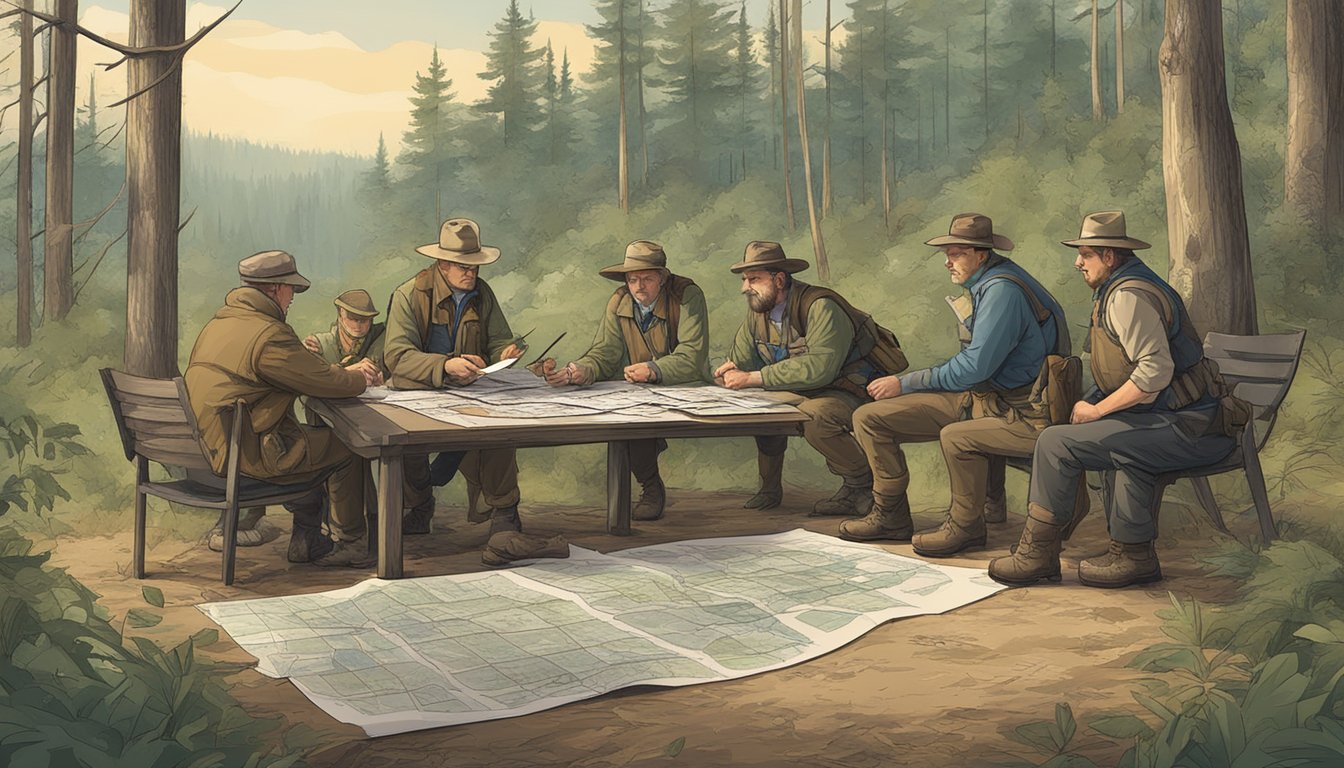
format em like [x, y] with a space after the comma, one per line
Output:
[1014, 323]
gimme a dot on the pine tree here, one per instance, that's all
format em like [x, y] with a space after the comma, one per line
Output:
[772, 61]
[378, 179]
[745, 80]
[428, 144]
[551, 92]
[697, 64]
[622, 25]
[513, 65]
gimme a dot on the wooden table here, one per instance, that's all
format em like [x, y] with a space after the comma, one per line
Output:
[386, 433]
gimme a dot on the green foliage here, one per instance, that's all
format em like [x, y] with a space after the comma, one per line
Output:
[36, 452]
[75, 691]
[513, 66]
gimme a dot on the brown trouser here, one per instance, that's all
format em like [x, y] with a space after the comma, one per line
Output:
[345, 487]
[830, 431]
[971, 428]
[644, 458]
[494, 471]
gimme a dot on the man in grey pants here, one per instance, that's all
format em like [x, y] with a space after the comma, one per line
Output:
[1155, 409]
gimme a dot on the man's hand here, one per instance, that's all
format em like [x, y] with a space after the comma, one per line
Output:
[462, 370]
[475, 360]
[373, 375]
[311, 343]
[735, 379]
[511, 352]
[639, 373]
[1085, 413]
[884, 387]
[570, 374]
[556, 377]
[726, 367]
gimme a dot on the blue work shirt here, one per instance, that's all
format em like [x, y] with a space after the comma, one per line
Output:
[1007, 344]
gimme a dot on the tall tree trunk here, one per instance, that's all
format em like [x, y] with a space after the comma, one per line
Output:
[1054, 38]
[818, 242]
[1097, 113]
[984, 59]
[863, 127]
[784, 110]
[153, 183]
[23, 230]
[623, 156]
[58, 263]
[1119, 57]
[827, 198]
[947, 91]
[886, 109]
[1206, 213]
[1314, 169]
[643, 115]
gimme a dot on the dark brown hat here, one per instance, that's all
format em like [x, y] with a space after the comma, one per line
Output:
[357, 302]
[763, 254]
[272, 267]
[639, 255]
[460, 243]
[973, 229]
[1106, 229]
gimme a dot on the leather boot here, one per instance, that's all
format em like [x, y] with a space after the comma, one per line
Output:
[1122, 565]
[307, 543]
[505, 519]
[348, 554]
[1037, 553]
[950, 538]
[886, 521]
[996, 506]
[652, 499]
[854, 499]
[415, 521]
[771, 493]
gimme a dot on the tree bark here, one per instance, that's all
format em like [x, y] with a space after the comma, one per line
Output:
[818, 242]
[643, 135]
[984, 60]
[1119, 57]
[784, 110]
[58, 264]
[1097, 113]
[623, 159]
[153, 182]
[23, 230]
[1314, 167]
[1206, 214]
[827, 198]
[886, 109]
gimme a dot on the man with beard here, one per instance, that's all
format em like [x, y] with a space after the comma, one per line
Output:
[354, 336]
[1158, 406]
[442, 327]
[811, 341]
[655, 331]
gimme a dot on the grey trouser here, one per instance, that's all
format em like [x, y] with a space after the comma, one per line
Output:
[1131, 449]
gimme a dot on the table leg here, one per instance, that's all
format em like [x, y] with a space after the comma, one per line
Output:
[618, 487]
[389, 517]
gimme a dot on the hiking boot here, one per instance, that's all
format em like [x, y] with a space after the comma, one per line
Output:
[996, 507]
[949, 538]
[771, 494]
[505, 519]
[307, 544]
[249, 532]
[1037, 554]
[652, 499]
[504, 548]
[415, 521]
[885, 521]
[1122, 565]
[348, 554]
[854, 499]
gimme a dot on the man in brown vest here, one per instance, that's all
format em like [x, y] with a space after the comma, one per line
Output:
[811, 341]
[443, 325]
[248, 351]
[1156, 408]
[655, 331]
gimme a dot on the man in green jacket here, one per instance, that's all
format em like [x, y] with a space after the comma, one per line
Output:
[354, 336]
[655, 331]
[248, 351]
[801, 338]
[443, 325]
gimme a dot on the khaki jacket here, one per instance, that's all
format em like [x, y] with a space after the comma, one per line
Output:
[371, 346]
[248, 351]
[814, 361]
[678, 355]
[427, 299]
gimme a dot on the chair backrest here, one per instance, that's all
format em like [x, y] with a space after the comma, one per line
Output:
[155, 419]
[1259, 369]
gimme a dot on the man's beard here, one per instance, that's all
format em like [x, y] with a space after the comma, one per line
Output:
[760, 302]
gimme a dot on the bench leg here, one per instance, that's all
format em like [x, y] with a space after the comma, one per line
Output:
[1206, 500]
[390, 477]
[618, 487]
[138, 555]
[230, 539]
[1255, 478]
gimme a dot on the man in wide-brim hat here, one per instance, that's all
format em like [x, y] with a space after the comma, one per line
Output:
[248, 351]
[1157, 407]
[809, 340]
[655, 330]
[443, 326]
[977, 404]
[354, 336]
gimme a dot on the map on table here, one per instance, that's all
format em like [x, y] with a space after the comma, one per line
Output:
[505, 396]
[396, 656]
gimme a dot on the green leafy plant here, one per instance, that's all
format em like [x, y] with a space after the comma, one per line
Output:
[1052, 738]
[35, 454]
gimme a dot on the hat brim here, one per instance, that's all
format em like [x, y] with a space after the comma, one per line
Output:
[789, 266]
[999, 242]
[618, 272]
[486, 255]
[1131, 243]
[356, 310]
[299, 282]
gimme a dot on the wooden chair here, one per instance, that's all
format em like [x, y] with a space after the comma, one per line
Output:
[157, 424]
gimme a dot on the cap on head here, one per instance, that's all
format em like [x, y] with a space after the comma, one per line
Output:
[272, 267]
[639, 255]
[357, 302]
[1105, 229]
[765, 254]
[460, 243]
[973, 229]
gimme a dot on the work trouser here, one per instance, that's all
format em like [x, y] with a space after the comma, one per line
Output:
[1130, 449]
[644, 459]
[345, 489]
[829, 431]
[494, 471]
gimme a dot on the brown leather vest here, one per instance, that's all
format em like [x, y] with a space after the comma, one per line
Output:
[661, 338]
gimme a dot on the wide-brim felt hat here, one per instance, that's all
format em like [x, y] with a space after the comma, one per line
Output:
[1105, 229]
[272, 267]
[764, 254]
[460, 243]
[639, 255]
[357, 302]
[975, 230]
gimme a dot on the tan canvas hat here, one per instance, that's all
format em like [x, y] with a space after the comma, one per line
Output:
[973, 229]
[639, 255]
[460, 243]
[357, 302]
[1106, 229]
[763, 254]
[272, 267]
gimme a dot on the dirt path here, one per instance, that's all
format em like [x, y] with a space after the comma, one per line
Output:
[929, 691]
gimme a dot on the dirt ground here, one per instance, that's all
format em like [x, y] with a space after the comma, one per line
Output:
[928, 691]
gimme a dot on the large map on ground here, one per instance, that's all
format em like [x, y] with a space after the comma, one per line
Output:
[395, 656]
